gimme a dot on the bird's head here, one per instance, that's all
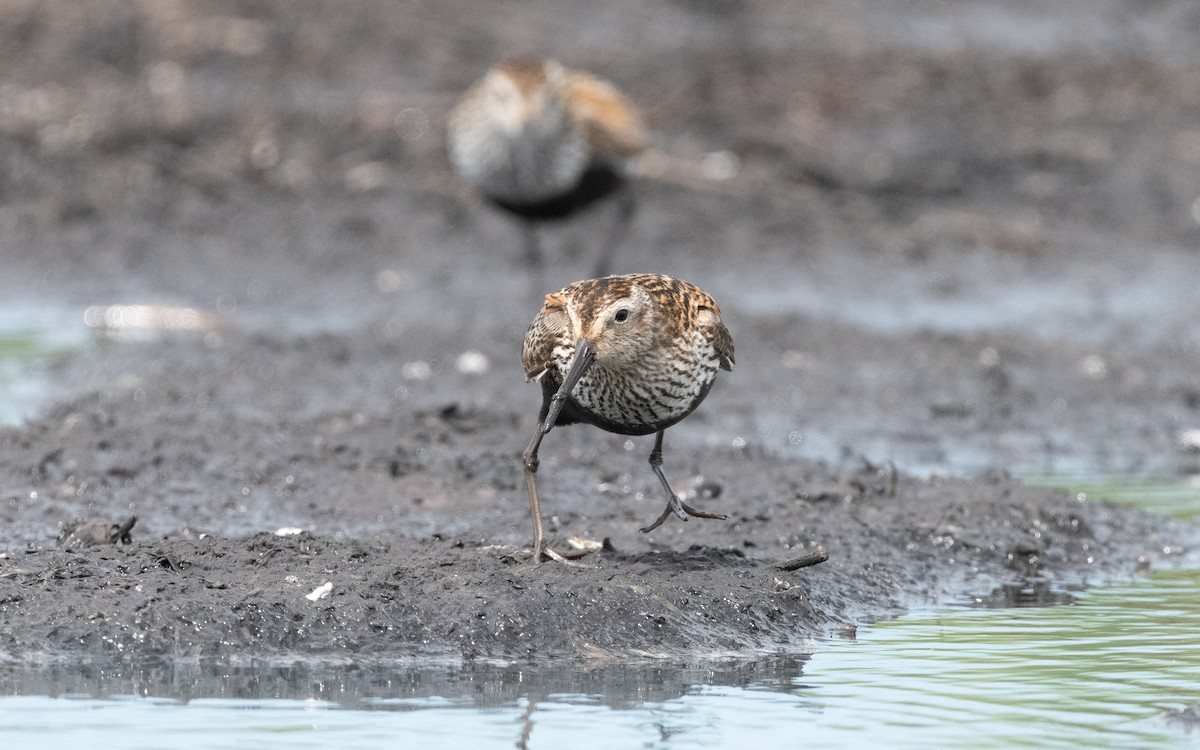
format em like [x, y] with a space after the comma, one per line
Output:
[523, 91]
[613, 323]
[619, 324]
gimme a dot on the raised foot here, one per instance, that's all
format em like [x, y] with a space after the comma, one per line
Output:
[683, 510]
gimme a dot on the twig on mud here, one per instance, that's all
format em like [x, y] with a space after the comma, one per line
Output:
[804, 561]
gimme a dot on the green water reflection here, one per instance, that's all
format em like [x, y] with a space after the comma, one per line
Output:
[1097, 672]
[28, 336]
[1163, 496]
[17, 350]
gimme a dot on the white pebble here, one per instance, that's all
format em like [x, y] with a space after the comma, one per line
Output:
[320, 592]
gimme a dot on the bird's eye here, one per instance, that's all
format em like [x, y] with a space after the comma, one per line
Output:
[622, 315]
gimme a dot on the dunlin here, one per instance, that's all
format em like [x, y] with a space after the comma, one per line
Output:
[543, 142]
[629, 354]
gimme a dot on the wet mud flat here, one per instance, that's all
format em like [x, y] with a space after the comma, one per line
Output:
[417, 519]
[944, 255]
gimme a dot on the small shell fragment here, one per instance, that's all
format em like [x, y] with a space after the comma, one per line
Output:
[586, 545]
[320, 592]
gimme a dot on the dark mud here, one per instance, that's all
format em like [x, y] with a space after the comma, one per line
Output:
[943, 247]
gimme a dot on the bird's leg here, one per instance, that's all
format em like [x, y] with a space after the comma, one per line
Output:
[527, 724]
[626, 209]
[674, 505]
[530, 459]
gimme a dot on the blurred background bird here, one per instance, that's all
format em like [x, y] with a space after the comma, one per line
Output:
[543, 142]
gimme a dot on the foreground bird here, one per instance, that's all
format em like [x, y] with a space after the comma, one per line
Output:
[542, 142]
[629, 354]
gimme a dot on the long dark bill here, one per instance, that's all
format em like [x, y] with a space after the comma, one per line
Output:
[585, 355]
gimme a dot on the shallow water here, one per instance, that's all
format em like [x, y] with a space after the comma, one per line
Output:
[29, 334]
[1099, 672]
[1177, 499]
[1095, 673]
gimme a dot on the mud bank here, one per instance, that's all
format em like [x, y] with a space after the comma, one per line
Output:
[417, 519]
